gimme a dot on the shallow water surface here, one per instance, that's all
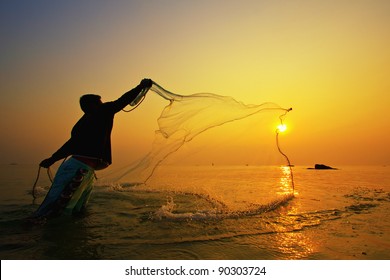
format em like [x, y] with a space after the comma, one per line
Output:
[199, 212]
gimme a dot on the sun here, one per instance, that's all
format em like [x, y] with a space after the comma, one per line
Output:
[282, 127]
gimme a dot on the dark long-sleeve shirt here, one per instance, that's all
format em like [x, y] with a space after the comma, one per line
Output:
[91, 135]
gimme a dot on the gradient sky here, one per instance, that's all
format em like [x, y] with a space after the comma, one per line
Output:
[329, 60]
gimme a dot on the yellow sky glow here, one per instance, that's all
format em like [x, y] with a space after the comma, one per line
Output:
[329, 60]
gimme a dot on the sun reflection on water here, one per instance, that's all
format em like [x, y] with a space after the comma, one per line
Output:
[295, 245]
[291, 241]
[285, 186]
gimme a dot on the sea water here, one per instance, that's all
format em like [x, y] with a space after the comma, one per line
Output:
[208, 212]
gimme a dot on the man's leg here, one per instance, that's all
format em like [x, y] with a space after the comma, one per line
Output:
[64, 176]
[82, 195]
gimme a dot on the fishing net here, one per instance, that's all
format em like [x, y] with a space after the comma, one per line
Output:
[181, 121]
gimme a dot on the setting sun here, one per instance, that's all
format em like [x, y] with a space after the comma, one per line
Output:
[282, 128]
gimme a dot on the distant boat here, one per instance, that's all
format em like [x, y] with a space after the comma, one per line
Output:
[322, 167]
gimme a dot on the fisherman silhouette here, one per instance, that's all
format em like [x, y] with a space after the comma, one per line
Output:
[89, 148]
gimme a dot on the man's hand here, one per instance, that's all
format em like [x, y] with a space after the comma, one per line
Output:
[46, 163]
[146, 83]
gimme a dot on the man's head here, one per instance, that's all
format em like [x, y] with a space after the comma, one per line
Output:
[89, 102]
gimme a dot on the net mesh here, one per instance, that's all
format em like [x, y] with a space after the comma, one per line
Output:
[184, 118]
[233, 191]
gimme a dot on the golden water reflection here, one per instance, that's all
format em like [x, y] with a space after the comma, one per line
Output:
[296, 245]
[286, 183]
[292, 239]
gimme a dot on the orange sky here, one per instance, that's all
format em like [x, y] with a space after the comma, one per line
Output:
[329, 60]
